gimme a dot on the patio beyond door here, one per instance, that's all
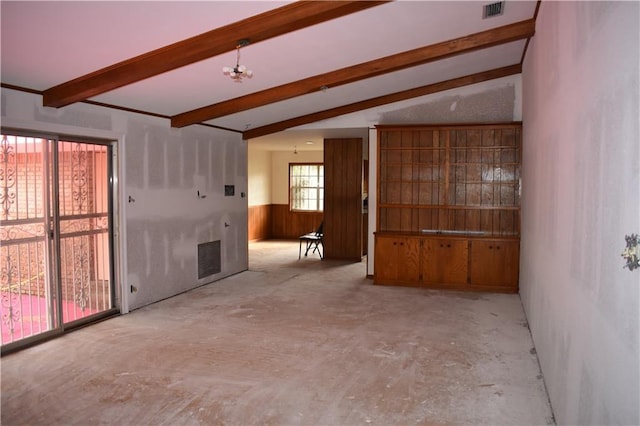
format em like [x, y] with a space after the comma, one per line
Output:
[56, 268]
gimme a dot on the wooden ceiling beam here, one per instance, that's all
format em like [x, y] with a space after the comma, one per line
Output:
[383, 100]
[257, 28]
[411, 58]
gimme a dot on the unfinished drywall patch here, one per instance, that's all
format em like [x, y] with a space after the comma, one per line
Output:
[3, 105]
[493, 105]
[182, 205]
[162, 219]
[136, 175]
[73, 115]
[203, 165]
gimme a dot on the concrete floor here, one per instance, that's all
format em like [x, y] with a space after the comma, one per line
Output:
[289, 342]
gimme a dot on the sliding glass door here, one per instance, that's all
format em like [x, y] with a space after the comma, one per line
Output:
[56, 261]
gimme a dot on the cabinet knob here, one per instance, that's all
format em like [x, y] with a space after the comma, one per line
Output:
[401, 244]
[490, 247]
[448, 245]
[441, 245]
[497, 247]
[394, 243]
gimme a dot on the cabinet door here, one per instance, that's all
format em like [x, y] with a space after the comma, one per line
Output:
[495, 263]
[397, 260]
[445, 262]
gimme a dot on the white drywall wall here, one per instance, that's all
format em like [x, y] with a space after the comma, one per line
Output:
[259, 169]
[162, 169]
[580, 197]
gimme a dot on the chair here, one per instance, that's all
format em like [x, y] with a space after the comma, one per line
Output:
[313, 242]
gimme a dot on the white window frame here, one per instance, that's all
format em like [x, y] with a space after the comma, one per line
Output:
[306, 196]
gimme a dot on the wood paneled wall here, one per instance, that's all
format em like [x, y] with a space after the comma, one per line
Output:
[343, 199]
[260, 222]
[277, 221]
[288, 224]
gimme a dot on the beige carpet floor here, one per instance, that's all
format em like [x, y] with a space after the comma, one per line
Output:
[289, 342]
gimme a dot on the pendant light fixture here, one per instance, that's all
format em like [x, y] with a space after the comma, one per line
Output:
[238, 72]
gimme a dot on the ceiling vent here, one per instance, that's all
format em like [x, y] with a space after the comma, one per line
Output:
[493, 9]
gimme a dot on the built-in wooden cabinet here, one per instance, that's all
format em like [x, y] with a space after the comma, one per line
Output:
[399, 259]
[494, 263]
[445, 261]
[456, 190]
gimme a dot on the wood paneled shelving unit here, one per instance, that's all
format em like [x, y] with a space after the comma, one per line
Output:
[449, 199]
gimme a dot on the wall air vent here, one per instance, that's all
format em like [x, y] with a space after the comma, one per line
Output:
[493, 9]
[209, 259]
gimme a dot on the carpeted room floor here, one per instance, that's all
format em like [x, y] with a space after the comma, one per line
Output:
[289, 342]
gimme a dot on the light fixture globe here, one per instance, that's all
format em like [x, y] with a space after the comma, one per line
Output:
[238, 72]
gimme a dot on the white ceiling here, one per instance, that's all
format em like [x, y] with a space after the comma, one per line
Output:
[50, 42]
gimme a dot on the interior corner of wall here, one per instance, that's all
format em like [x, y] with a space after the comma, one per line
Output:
[517, 104]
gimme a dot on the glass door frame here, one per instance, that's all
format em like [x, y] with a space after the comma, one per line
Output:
[51, 180]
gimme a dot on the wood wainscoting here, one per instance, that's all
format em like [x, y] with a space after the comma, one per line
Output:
[259, 222]
[277, 221]
[288, 224]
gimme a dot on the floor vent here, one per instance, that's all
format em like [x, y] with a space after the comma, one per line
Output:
[493, 9]
[209, 262]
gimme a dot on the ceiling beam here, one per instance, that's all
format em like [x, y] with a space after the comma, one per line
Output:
[410, 58]
[383, 100]
[257, 28]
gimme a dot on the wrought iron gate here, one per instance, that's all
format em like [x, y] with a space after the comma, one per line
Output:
[56, 266]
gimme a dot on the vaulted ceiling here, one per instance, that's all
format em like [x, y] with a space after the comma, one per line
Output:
[312, 61]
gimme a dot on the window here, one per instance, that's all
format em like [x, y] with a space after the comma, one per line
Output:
[306, 187]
